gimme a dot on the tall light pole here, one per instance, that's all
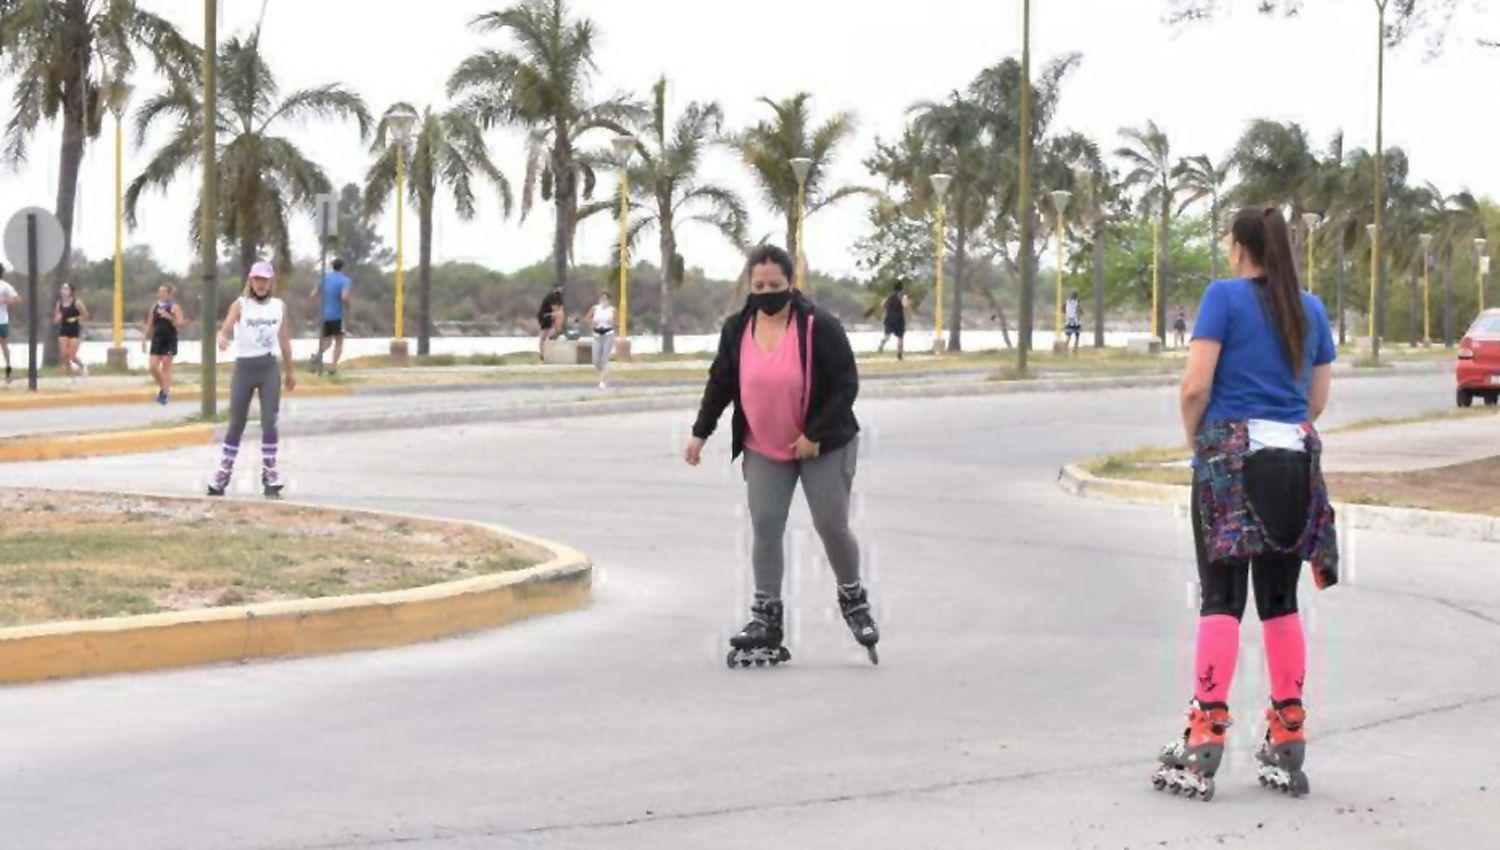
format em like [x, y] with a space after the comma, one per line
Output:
[940, 184]
[401, 123]
[118, 99]
[1482, 267]
[623, 146]
[1377, 273]
[1426, 240]
[1374, 231]
[1310, 219]
[801, 168]
[1060, 200]
[1023, 200]
[208, 240]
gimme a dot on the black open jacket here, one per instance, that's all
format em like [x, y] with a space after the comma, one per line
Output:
[835, 378]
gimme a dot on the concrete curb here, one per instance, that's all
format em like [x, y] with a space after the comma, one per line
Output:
[1078, 482]
[143, 395]
[66, 446]
[301, 627]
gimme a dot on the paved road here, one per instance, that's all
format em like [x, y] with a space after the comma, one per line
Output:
[1036, 654]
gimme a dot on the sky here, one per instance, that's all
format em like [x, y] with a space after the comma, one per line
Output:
[1202, 85]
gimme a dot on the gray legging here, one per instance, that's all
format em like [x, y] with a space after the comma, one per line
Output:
[826, 483]
[251, 374]
[603, 345]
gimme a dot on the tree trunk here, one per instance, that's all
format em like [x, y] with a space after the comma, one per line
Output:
[565, 202]
[1448, 300]
[1099, 282]
[1340, 274]
[791, 230]
[1161, 274]
[1213, 239]
[960, 262]
[70, 160]
[668, 252]
[1004, 325]
[424, 275]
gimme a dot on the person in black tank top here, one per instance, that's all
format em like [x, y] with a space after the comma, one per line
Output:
[69, 315]
[160, 330]
[896, 305]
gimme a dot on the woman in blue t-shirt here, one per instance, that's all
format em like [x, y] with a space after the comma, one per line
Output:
[1257, 377]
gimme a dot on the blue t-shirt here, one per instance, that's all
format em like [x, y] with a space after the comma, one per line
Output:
[334, 285]
[1253, 379]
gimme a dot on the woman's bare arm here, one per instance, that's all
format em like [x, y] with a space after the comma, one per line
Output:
[1198, 383]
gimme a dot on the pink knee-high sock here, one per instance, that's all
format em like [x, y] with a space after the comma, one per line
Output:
[1218, 651]
[1286, 656]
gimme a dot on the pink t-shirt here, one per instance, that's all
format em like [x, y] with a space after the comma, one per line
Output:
[771, 395]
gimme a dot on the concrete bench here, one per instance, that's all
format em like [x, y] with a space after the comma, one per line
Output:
[1143, 346]
[579, 352]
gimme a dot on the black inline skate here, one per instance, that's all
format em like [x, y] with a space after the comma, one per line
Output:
[854, 603]
[759, 642]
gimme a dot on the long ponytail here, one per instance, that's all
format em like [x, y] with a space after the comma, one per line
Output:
[1263, 234]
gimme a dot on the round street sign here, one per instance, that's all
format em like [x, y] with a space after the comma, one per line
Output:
[49, 240]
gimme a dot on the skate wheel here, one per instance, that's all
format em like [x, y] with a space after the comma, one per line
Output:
[730, 659]
[874, 656]
[785, 654]
[760, 662]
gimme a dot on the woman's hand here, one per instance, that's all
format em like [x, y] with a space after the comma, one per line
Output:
[223, 342]
[693, 454]
[806, 449]
[290, 380]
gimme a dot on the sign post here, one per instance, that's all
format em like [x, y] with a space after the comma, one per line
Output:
[34, 242]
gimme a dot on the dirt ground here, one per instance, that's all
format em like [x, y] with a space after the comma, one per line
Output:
[86, 556]
[1472, 488]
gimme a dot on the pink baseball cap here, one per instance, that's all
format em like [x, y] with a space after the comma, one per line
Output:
[263, 269]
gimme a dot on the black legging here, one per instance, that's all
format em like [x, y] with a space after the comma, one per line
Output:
[1277, 485]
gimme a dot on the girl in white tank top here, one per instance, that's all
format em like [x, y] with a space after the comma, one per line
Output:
[258, 331]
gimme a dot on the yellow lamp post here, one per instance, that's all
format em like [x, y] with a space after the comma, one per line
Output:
[623, 146]
[1482, 267]
[1426, 240]
[401, 123]
[118, 98]
[801, 168]
[1311, 220]
[1060, 199]
[940, 184]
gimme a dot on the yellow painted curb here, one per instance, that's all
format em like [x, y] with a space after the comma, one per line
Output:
[65, 446]
[299, 628]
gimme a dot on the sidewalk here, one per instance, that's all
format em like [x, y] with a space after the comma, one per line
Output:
[1415, 446]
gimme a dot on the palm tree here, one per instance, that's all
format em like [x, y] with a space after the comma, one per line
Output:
[1277, 165]
[1200, 178]
[953, 135]
[263, 176]
[768, 147]
[1148, 155]
[446, 150]
[541, 85]
[669, 190]
[65, 56]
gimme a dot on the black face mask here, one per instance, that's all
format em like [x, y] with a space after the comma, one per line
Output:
[771, 303]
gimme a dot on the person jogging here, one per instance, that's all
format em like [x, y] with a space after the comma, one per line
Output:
[1072, 323]
[1179, 328]
[897, 305]
[1258, 376]
[257, 322]
[160, 330]
[69, 314]
[789, 371]
[549, 318]
[9, 298]
[336, 293]
[602, 318]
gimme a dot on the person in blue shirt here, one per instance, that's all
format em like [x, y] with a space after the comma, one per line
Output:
[1258, 376]
[336, 293]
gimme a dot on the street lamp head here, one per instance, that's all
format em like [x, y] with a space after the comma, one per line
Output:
[1426, 240]
[1060, 199]
[623, 146]
[801, 168]
[1484, 265]
[117, 97]
[1479, 245]
[401, 121]
[1312, 220]
[940, 184]
[1370, 229]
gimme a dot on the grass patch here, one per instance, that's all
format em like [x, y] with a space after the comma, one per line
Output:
[78, 557]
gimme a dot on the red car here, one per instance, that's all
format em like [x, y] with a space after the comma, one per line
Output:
[1479, 361]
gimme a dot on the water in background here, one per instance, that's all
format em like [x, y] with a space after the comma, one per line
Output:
[96, 351]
